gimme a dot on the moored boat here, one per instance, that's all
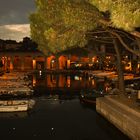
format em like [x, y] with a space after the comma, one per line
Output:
[89, 96]
[15, 84]
[16, 105]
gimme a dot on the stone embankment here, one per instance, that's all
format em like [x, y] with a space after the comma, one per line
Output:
[123, 112]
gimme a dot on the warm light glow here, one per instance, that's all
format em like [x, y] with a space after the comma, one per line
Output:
[40, 72]
[62, 62]
[61, 81]
[34, 80]
[11, 65]
[78, 78]
[138, 66]
[139, 94]
[93, 82]
[34, 64]
[68, 81]
[90, 65]
[49, 63]
[93, 59]
[68, 64]
[52, 61]
[128, 66]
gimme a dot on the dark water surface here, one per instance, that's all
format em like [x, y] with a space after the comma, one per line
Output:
[51, 119]
[58, 116]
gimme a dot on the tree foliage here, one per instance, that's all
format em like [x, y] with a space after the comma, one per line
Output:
[124, 14]
[58, 25]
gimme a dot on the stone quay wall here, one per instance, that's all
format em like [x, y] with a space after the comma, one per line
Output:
[124, 117]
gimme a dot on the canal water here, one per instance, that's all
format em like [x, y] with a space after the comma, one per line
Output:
[58, 113]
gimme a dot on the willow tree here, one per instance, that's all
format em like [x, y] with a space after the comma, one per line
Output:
[58, 25]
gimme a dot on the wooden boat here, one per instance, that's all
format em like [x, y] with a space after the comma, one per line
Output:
[89, 96]
[16, 105]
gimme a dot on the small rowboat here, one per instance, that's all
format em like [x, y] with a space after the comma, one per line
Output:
[89, 96]
[16, 105]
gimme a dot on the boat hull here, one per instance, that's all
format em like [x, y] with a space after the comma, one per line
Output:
[16, 105]
[14, 108]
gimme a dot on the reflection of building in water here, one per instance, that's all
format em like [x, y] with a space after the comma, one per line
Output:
[69, 82]
[34, 80]
[57, 81]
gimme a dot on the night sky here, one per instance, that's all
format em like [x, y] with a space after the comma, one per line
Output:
[14, 18]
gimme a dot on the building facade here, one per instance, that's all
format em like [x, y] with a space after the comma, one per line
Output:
[26, 61]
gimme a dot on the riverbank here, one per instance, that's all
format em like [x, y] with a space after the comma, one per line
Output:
[123, 112]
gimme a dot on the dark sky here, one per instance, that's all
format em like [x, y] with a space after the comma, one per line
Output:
[14, 18]
[15, 11]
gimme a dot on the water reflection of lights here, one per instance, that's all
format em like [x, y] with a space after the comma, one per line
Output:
[40, 72]
[68, 81]
[34, 80]
[93, 82]
[64, 82]
[77, 78]
[78, 65]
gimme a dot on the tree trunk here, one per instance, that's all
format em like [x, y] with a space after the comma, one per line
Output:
[121, 85]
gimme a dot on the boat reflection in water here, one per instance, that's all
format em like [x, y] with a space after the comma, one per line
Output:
[14, 115]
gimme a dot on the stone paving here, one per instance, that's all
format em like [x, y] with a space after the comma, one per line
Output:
[123, 111]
